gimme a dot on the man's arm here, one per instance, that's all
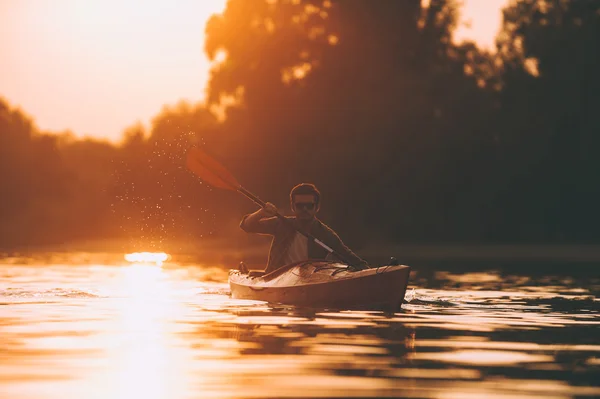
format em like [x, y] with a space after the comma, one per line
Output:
[261, 221]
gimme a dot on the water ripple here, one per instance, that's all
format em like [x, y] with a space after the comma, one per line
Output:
[175, 332]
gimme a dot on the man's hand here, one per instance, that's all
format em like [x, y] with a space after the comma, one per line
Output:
[269, 210]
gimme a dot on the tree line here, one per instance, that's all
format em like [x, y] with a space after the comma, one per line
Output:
[410, 136]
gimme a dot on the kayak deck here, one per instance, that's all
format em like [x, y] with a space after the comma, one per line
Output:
[325, 284]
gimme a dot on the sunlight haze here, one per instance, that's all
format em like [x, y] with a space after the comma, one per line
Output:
[97, 67]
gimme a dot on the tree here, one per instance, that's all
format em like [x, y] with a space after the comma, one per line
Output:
[548, 126]
[369, 93]
[33, 177]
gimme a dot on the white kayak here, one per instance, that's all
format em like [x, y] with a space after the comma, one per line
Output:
[325, 284]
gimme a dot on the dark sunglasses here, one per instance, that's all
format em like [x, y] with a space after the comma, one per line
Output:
[306, 205]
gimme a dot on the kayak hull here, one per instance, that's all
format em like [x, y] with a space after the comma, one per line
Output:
[325, 285]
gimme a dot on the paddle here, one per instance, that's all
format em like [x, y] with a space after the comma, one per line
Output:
[212, 172]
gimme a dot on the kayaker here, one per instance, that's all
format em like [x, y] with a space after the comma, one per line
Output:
[288, 245]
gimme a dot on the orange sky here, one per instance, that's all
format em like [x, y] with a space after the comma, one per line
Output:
[97, 66]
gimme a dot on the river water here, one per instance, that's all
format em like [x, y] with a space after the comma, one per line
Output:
[93, 330]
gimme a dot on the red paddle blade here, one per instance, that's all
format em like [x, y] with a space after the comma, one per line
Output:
[209, 170]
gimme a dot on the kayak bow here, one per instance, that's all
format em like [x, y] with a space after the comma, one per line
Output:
[325, 284]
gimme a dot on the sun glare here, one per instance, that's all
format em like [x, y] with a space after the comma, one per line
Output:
[147, 358]
[157, 258]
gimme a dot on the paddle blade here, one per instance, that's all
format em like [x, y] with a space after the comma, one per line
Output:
[210, 170]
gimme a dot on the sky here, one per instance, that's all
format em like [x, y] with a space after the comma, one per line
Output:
[484, 18]
[96, 67]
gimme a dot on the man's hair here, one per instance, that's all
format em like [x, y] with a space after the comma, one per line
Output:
[305, 188]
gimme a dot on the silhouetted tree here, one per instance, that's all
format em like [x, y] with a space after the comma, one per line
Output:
[367, 98]
[547, 125]
[33, 178]
[410, 136]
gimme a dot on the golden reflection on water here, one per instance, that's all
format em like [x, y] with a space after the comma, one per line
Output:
[483, 357]
[158, 258]
[145, 360]
[145, 331]
[141, 355]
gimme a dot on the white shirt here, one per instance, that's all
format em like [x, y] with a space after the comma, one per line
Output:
[298, 250]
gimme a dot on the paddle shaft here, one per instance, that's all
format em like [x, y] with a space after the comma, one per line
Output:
[262, 204]
[215, 174]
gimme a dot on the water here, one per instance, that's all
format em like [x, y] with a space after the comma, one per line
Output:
[143, 331]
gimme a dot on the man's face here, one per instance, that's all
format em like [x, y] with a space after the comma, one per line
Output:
[304, 206]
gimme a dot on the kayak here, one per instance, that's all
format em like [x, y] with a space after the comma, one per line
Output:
[324, 284]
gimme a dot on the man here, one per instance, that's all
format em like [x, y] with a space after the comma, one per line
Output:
[288, 245]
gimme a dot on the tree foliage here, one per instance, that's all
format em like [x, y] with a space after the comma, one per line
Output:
[410, 136]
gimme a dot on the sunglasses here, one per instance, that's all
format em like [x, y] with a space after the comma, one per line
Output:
[306, 205]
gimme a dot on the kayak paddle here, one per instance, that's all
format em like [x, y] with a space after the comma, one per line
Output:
[212, 172]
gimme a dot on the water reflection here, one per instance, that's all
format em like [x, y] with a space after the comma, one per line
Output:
[146, 360]
[144, 331]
